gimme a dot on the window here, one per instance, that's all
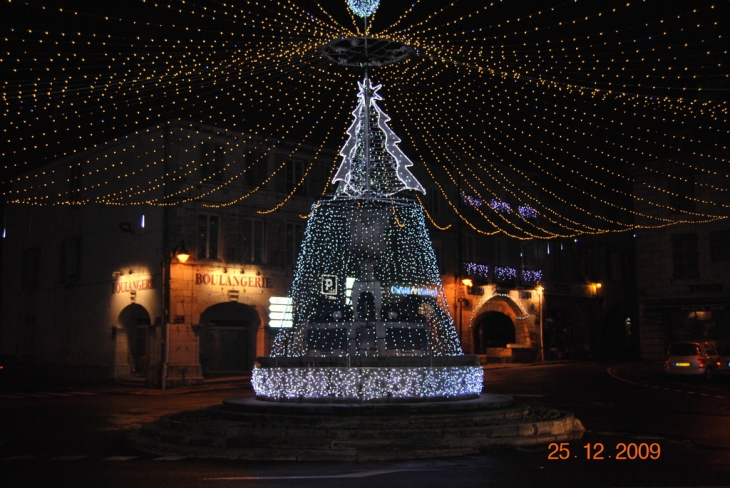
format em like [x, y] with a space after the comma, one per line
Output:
[294, 237]
[294, 175]
[614, 268]
[244, 240]
[682, 190]
[435, 201]
[684, 256]
[438, 252]
[31, 258]
[720, 245]
[256, 168]
[70, 269]
[212, 162]
[468, 248]
[208, 234]
[74, 181]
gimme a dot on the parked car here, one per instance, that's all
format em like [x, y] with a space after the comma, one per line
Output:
[722, 365]
[692, 358]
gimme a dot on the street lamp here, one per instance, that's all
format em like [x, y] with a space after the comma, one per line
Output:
[180, 252]
[182, 255]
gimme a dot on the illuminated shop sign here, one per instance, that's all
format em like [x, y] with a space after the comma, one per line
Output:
[133, 285]
[413, 290]
[329, 284]
[280, 312]
[230, 280]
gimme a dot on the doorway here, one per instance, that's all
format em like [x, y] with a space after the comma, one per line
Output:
[228, 339]
[131, 342]
[493, 330]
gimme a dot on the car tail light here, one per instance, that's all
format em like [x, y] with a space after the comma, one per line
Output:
[701, 362]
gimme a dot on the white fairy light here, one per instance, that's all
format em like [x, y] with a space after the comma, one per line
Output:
[366, 384]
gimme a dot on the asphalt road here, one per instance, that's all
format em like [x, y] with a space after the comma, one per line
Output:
[75, 437]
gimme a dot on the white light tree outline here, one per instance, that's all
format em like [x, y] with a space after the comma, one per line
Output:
[368, 97]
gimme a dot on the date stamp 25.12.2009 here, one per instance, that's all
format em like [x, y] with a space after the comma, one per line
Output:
[621, 451]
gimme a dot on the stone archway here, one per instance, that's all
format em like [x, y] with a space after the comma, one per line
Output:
[501, 322]
[228, 339]
[493, 330]
[131, 342]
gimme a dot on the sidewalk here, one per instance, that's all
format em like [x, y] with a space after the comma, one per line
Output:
[136, 386]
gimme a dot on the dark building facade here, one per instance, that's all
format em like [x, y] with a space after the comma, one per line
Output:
[95, 287]
[682, 269]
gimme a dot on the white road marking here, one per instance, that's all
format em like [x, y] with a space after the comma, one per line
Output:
[119, 458]
[612, 372]
[170, 458]
[361, 474]
[69, 458]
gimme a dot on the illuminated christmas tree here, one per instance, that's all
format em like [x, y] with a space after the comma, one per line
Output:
[373, 165]
[368, 306]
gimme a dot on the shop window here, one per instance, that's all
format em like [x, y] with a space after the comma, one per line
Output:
[244, 240]
[212, 162]
[684, 256]
[208, 236]
[70, 262]
[294, 175]
[294, 237]
[720, 245]
[30, 273]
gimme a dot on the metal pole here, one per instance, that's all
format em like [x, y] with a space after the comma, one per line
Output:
[542, 345]
[167, 263]
[367, 115]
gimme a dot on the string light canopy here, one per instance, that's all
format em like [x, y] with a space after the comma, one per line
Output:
[598, 116]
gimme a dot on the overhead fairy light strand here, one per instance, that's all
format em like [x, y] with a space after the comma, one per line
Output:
[555, 108]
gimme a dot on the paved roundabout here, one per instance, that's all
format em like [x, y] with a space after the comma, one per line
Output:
[251, 429]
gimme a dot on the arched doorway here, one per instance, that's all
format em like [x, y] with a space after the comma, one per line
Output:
[131, 356]
[493, 330]
[228, 339]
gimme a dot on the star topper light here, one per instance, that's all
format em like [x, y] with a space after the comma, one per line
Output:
[363, 8]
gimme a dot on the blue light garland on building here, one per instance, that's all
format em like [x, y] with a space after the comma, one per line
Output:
[500, 206]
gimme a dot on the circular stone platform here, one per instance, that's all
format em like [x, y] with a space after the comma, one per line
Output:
[251, 429]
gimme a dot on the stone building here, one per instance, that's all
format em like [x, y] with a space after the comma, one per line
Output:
[92, 284]
[682, 269]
